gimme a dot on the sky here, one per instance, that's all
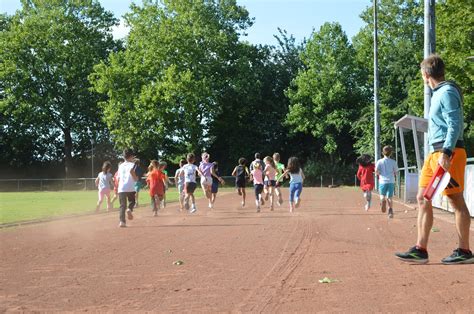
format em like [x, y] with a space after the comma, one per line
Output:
[297, 17]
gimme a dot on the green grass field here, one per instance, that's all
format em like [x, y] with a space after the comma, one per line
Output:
[24, 206]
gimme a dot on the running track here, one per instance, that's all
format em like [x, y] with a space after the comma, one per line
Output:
[235, 260]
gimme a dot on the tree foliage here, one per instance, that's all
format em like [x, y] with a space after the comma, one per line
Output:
[325, 96]
[48, 49]
[163, 90]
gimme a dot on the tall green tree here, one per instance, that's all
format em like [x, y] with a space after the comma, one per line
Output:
[400, 29]
[47, 50]
[454, 43]
[325, 96]
[254, 107]
[163, 90]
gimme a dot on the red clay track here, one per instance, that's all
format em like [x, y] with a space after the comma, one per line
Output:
[234, 260]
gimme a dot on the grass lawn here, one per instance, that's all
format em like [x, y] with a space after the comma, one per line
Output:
[23, 206]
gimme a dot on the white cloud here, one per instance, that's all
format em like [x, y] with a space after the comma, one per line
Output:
[120, 31]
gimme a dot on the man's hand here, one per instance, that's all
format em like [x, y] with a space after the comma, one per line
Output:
[444, 161]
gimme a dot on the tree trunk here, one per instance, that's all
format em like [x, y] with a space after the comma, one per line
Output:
[67, 151]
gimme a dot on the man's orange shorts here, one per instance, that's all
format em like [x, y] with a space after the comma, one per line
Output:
[456, 170]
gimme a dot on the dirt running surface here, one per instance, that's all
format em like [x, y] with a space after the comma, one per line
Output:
[234, 260]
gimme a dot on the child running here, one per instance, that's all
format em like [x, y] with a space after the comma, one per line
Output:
[259, 161]
[241, 172]
[116, 182]
[126, 189]
[179, 181]
[216, 179]
[296, 182]
[189, 171]
[270, 173]
[206, 180]
[365, 174]
[386, 169]
[257, 176]
[156, 182]
[104, 181]
[279, 178]
[163, 166]
[139, 183]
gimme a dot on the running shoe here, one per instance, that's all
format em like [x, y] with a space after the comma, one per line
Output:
[459, 256]
[193, 209]
[414, 255]
[297, 202]
[129, 214]
[122, 224]
[155, 213]
[390, 213]
[366, 207]
[243, 204]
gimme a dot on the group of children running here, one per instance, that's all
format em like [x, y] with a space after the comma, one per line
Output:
[386, 170]
[267, 176]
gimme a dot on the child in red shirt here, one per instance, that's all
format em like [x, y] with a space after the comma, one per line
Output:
[156, 182]
[365, 174]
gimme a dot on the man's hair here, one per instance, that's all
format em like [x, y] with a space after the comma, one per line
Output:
[387, 150]
[190, 158]
[433, 65]
[258, 156]
[127, 153]
[242, 161]
[182, 162]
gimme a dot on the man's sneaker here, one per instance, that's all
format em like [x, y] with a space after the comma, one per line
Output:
[390, 213]
[366, 207]
[414, 255]
[129, 214]
[459, 256]
[122, 224]
[193, 209]
[243, 204]
[155, 213]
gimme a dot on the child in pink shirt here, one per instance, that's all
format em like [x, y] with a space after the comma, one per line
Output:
[257, 176]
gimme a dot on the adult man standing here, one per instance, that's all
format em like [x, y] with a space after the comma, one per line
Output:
[445, 139]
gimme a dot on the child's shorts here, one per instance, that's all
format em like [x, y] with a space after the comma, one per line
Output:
[270, 183]
[240, 183]
[190, 187]
[386, 189]
[104, 192]
[258, 189]
[206, 181]
[215, 187]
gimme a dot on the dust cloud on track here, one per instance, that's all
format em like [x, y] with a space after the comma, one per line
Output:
[234, 260]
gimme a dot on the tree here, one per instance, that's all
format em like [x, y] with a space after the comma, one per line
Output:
[254, 106]
[454, 42]
[325, 95]
[164, 89]
[400, 28]
[48, 50]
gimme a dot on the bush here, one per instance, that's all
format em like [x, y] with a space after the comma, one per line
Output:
[331, 173]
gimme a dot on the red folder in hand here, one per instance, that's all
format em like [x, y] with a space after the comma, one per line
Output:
[438, 182]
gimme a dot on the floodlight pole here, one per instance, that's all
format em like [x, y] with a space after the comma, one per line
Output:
[376, 88]
[430, 45]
